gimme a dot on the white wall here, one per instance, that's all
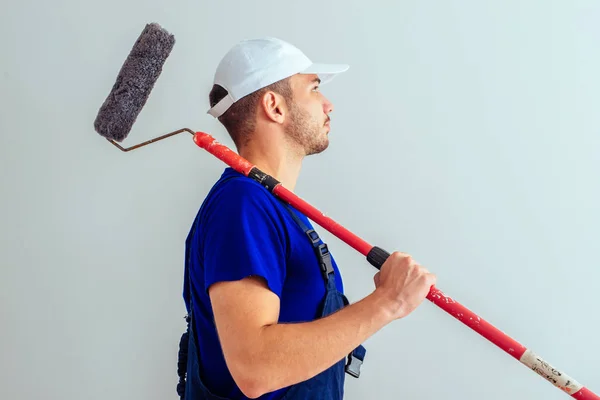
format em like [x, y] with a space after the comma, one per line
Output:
[465, 134]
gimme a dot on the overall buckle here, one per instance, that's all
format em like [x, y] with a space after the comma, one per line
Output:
[322, 252]
[353, 365]
[324, 260]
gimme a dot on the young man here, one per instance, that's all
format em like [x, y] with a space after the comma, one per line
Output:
[268, 317]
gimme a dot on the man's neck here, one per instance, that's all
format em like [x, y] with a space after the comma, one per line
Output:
[276, 161]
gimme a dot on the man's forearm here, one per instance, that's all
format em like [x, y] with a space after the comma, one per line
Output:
[286, 354]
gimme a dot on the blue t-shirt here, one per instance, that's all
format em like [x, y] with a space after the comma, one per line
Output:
[244, 230]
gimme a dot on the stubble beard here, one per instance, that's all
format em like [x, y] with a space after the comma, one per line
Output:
[306, 132]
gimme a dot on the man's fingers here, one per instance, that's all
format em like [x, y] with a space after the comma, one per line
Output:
[432, 279]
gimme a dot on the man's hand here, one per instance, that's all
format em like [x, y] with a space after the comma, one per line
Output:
[404, 283]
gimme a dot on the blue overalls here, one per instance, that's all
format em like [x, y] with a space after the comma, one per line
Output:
[327, 385]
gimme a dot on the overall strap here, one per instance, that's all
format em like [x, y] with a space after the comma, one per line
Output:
[356, 357]
[321, 249]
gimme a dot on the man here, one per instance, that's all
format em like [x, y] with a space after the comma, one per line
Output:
[268, 314]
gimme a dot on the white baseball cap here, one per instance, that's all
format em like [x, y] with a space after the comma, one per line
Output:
[253, 64]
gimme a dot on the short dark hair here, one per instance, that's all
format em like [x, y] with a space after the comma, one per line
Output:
[239, 119]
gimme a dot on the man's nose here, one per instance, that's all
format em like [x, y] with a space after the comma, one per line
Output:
[327, 106]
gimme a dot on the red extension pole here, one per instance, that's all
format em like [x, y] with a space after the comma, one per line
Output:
[436, 296]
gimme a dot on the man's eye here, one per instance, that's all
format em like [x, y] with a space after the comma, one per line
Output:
[316, 88]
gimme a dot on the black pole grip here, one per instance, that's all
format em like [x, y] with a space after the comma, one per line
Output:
[377, 256]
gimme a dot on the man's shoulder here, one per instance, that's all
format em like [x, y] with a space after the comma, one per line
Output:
[234, 189]
[235, 195]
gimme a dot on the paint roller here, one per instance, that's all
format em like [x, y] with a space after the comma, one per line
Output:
[128, 96]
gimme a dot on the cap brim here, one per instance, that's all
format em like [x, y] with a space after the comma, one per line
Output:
[326, 72]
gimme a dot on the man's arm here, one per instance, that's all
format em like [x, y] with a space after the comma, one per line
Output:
[263, 355]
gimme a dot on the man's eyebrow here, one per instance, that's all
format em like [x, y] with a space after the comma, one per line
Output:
[316, 80]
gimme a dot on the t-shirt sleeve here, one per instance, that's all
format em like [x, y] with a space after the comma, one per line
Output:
[243, 237]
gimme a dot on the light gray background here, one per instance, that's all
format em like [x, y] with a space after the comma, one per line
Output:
[465, 133]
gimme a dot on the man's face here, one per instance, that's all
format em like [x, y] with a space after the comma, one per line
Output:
[308, 121]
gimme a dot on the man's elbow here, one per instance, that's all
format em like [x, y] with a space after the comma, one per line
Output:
[249, 378]
[251, 388]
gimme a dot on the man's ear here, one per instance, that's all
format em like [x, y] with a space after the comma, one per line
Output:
[273, 106]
